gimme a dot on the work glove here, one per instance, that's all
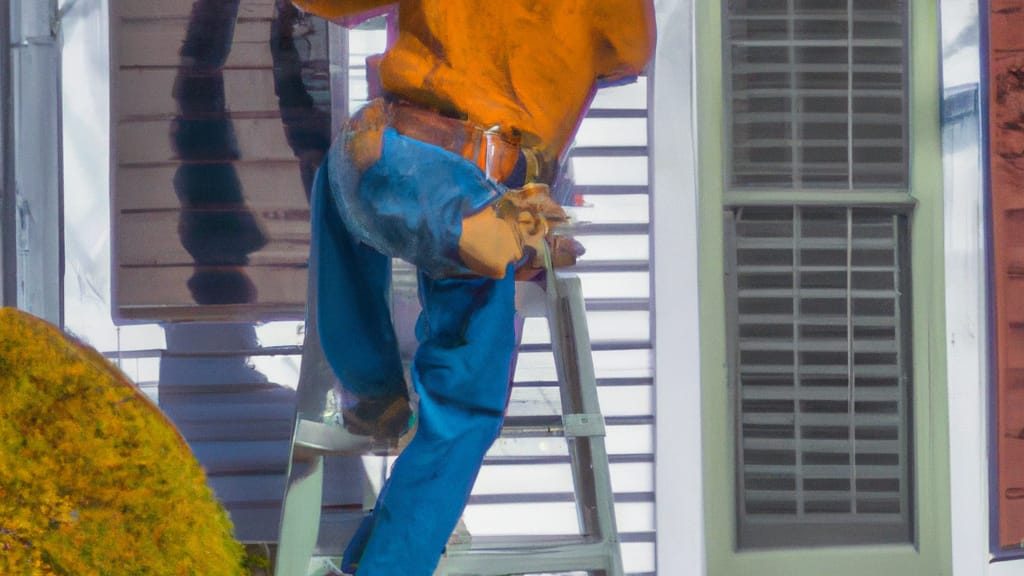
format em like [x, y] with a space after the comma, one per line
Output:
[533, 214]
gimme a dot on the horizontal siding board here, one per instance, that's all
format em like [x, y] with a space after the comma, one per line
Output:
[170, 254]
[157, 43]
[615, 285]
[286, 228]
[208, 372]
[226, 457]
[601, 382]
[225, 396]
[604, 327]
[255, 412]
[268, 488]
[149, 92]
[622, 363]
[237, 431]
[258, 139]
[144, 188]
[597, 189]
[559, 518]
[615, 401]
[157, 288]
[610, 152]
[170, 9]
[626, 96]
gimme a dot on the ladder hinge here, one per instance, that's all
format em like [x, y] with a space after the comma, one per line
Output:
[577, 425]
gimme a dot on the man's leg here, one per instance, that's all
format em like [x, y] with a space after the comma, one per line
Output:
[461, 372]
[353, 315]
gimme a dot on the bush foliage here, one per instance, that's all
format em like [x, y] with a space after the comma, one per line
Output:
[93, 477]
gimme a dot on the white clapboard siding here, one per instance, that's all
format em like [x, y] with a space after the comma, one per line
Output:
[237, 420]
[223, 386]
[151, 265]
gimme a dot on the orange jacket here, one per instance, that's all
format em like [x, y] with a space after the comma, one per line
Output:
[528, 66]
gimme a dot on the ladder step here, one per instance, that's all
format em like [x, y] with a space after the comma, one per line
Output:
[533, 426]
[567, 425]
[493, 556]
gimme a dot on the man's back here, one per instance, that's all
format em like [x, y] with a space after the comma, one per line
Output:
[525, 65]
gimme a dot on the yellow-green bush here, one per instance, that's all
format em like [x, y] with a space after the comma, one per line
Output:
[93, 478]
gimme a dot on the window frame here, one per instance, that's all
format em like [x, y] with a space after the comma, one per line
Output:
[929, 551]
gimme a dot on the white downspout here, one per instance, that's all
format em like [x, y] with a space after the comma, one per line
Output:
[32, 238]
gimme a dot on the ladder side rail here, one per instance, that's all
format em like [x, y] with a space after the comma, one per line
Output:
[584, 423]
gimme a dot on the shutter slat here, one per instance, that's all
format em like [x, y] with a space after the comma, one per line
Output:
[837, 117]
[816, 345]
[836, 393]
[739, 94]
[827, 446]
[838, 495]
[813, 293]
[831, 471]
[821, 419]
[872, 43]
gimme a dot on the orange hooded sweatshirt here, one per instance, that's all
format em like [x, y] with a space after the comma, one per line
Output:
[528, 66]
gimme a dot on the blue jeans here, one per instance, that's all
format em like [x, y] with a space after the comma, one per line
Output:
[410, 204]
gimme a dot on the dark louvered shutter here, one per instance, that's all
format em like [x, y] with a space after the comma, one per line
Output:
[818, 298]
[821, 374]
[817, 90]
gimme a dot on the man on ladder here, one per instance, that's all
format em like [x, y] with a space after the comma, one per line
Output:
[448, 171]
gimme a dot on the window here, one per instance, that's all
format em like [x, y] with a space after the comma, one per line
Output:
[817, 102]
[819, 222]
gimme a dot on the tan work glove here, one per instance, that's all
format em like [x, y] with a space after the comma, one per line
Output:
[535, 214]
[520, 223]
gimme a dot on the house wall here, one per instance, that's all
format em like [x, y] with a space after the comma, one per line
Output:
[1006, 147]
[680, 510]
[680, 505]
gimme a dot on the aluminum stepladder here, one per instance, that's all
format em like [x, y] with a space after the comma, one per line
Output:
[595, 550]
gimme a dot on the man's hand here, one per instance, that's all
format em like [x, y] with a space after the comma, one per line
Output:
[488, 244]
[533, 211]
[520, 222]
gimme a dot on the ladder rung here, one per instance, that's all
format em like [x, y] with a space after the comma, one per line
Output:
[495, 555]
[535, 426]
[568, 425]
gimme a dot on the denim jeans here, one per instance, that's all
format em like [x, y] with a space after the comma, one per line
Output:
[409, 204]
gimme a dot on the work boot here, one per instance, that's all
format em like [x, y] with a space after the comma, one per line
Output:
[383, 418]
[353, 424]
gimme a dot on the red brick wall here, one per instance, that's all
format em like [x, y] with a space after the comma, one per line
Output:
[1006, 133]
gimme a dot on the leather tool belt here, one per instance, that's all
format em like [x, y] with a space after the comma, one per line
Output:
[495, 152]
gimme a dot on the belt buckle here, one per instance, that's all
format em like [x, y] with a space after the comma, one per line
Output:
[491, 164]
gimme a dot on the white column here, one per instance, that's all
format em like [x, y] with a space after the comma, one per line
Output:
[679, 474]
[967, 339]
